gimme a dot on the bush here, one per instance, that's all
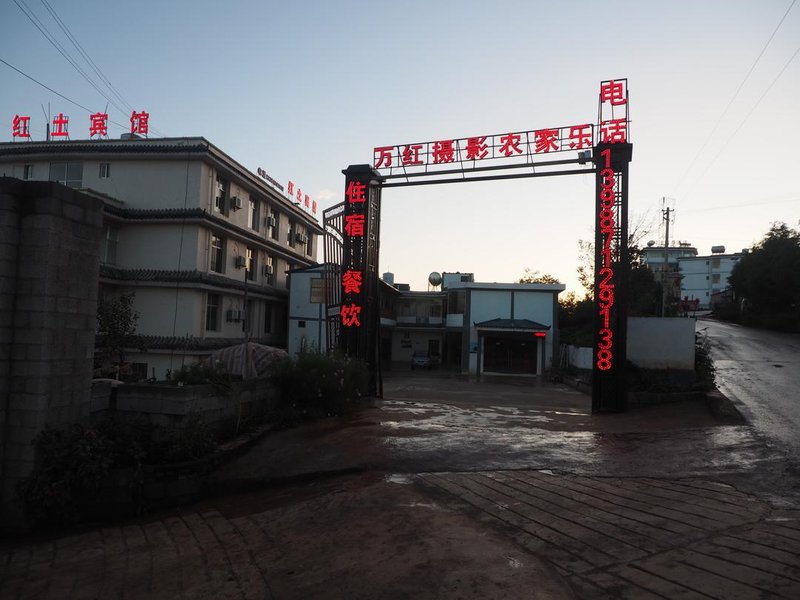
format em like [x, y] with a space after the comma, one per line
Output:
[72, 463]
[202, 372]
[315, 385]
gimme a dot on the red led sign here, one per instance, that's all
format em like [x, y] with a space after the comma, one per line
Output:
[605, 293]
[519, 144]
[20, 127]
[613, 126]
[295, 194]
[98, 125]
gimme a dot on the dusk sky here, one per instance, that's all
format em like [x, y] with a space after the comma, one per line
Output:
[303, 89]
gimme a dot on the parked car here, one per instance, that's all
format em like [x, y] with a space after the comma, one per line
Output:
[420, 360]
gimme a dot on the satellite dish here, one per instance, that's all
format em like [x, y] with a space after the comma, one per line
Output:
[650, 244]
[435, 279]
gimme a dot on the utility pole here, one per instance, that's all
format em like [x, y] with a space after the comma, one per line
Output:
[664, 283]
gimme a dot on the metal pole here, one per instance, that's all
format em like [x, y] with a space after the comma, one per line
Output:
[664, 282]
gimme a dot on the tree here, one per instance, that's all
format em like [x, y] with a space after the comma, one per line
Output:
[766, 280]
[534, 277]
[116, 324]
[638, 231]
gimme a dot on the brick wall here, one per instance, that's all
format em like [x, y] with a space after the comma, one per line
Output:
[50, 238]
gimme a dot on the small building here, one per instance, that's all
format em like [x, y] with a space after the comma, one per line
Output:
[469, 327]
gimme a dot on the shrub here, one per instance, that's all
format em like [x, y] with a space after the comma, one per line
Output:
[315, 385]
[72, 463]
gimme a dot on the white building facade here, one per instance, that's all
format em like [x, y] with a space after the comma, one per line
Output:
[203, 243]
[705, 277]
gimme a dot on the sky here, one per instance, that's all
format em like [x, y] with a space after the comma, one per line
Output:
[304, 89]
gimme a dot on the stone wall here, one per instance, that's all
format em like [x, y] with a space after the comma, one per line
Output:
[50, 237]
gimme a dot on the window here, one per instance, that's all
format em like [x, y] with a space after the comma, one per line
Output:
[290, 234]
[310, 244]
[317, 291]
[715, 278]
[276, 229]
[268, 317]
[715, 263]
[110, 242]
[436, 310]
[27, 172]
[301, 324]
[253, 214]
[221, 197]
[269, 270]
[213, 302]
[70, 174]
[252, 264]
[217, 254]
[105, 170]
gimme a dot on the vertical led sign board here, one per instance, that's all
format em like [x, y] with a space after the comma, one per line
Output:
[359, 311]
[612, 265]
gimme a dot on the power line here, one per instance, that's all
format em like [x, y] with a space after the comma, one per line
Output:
[43, 30]
[746, 118]
[70, 100]
[61, 50]
[83, 53]
[735, 95]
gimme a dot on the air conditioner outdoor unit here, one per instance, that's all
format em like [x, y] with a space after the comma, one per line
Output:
[270, 221]
[241, 262]
[267, 270]
[236, 202]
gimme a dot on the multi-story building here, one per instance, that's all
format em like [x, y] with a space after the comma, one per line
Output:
[203, 243]
[705, 278]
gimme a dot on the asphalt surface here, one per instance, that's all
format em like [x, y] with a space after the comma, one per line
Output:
[760, 371]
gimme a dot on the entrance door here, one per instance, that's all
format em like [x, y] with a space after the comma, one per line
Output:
[510, 354]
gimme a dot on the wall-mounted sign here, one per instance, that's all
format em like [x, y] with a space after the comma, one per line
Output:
[263, 174]
[98, 125]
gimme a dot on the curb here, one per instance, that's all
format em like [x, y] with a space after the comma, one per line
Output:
[723, 408]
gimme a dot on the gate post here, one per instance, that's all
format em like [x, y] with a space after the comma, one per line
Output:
[360, 302]
[611, 270]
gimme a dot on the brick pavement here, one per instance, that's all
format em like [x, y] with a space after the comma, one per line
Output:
[639, 537]
[376, 539]
[433, 535]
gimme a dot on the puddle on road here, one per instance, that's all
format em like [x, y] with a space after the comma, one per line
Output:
[398, 479]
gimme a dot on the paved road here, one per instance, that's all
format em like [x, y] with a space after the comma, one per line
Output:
[760, 371]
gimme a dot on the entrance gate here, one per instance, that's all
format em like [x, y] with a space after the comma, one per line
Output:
[353, 227]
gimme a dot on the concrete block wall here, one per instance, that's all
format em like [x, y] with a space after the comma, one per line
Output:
[50, 238]
[170, 405]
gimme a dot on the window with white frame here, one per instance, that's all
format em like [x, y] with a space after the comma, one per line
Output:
[67, 173]
[221, 196]
[253, 215]
[110, 243]
[269, 270]
[317, 290]
[213, 304]
[27, 172]
[217, 254]
[252, 263]
[105, 170]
